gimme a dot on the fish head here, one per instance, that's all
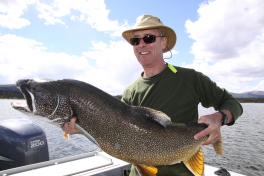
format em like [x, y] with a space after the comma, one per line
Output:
[46, 98]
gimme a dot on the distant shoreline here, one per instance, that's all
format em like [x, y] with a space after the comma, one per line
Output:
[240, 100]
[250, 100]
[11, 95]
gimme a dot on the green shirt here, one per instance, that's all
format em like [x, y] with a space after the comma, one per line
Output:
[178, 95]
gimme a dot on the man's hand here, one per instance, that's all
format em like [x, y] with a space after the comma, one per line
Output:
[69, 127]
[214, 122]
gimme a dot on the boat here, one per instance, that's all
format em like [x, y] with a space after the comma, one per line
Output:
[96, 163]
[24, 152]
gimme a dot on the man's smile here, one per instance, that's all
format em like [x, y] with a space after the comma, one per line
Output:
[145, 52]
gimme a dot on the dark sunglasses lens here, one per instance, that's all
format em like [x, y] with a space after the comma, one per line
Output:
[134, 41]
[149, 39]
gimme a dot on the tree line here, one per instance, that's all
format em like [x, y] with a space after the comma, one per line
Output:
[250, 100]
[241, 100]
[11, 95]
[19, 95]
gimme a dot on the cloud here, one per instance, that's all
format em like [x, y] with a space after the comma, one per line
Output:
[51, 16]
[260, 86]
[114, 69]
[31, 60]
[93, 12]
[11, 12]
[117, 67]
[109, 66]
[229, 41]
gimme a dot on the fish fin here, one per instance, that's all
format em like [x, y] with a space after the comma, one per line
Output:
[87, 135]
[144, 170]
[157, 116]
[196, 163]
[218, 147]
[66, 136]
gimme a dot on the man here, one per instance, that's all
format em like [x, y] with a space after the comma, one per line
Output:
[173, 90]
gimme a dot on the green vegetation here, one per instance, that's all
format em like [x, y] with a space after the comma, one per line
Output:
[18, 95]
[250, 100]
[118, 96]
[11, 95]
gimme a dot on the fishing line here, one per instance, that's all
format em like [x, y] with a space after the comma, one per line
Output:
[170, 52]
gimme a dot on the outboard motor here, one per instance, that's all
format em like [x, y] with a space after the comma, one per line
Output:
[22, 142]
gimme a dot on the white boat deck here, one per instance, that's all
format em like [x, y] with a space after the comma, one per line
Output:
[93, 163]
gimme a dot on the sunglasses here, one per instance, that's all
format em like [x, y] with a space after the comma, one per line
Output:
[147, 39]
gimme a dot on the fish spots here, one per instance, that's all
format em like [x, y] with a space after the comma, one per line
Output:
[138, 129]
[133, 134]
[117, 146]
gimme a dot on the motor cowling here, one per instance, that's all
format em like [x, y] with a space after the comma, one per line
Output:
[22, 142]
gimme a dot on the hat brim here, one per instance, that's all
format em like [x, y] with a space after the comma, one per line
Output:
[169, 33]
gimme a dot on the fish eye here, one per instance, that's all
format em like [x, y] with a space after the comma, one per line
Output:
[34, 87]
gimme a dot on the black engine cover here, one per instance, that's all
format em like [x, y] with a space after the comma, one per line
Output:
[22, 142]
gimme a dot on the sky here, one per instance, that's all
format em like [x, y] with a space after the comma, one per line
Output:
[81, 39]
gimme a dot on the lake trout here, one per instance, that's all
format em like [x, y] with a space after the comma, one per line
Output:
[138, 135]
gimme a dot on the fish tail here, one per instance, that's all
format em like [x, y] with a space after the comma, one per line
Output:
[196, 163]
[218, 147]
[66, 136]
[144, 170]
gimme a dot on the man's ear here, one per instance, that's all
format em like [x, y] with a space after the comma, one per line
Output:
[164, 42]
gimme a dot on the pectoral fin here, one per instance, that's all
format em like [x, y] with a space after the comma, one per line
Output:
[82, 131]
[66, 136]
[196, 163]
[144, 170]
[218, 147]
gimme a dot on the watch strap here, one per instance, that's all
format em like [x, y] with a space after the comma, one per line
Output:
[224, 118]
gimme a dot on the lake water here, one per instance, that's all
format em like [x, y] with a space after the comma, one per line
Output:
[243, 148]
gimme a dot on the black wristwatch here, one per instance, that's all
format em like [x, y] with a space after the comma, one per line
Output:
[224, 118]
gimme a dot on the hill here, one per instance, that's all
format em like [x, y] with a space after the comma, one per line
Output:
[250, 94]
[9, 88]
[11, 91]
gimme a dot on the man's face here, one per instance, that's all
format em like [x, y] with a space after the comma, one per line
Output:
[149, 55]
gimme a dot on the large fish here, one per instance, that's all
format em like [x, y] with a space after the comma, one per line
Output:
[138, 135]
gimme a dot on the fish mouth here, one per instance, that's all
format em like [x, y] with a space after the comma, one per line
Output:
[21, 84]
[29, 99]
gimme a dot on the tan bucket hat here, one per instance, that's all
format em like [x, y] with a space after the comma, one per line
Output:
[152, 22]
